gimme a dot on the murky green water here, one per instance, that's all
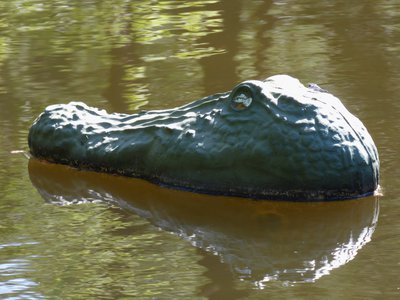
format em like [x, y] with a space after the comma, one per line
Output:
[77, 235]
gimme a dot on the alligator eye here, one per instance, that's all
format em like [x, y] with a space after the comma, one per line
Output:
[241, 98]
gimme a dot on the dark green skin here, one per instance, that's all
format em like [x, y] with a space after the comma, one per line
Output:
[291, 142]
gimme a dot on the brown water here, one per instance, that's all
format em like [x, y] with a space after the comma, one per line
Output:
[78, 235]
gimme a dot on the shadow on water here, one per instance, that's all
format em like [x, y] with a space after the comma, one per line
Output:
[260, 241]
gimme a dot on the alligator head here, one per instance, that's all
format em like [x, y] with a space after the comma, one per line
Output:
[272, 139]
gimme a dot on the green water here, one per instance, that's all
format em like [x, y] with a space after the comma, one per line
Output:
[76, 235]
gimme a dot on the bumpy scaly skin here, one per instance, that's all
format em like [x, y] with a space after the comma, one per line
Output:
[265, 139]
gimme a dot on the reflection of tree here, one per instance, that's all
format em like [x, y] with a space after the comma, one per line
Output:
[56, 52]
[244, 42]
[160, 42]
[120, 57]
[254, 39]
[219, 69]
[369, 69]
[117, 89]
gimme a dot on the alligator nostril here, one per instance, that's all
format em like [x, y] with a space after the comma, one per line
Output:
[316, 87]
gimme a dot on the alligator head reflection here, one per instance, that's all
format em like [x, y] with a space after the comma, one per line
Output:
[259, 240]
[274, 139]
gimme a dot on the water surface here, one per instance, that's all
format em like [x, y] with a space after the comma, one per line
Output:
[78, 235]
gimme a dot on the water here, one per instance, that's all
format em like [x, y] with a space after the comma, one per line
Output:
[66, 234]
